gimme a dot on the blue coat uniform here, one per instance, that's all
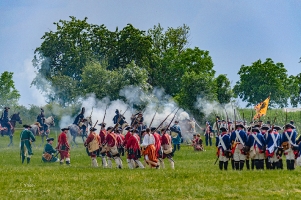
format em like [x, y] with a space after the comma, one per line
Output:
[226, 140]
[252, 141]
[242, 134]
[271, 147]
[291, 133]
[78, 118]
[116, 117]
[5, 116]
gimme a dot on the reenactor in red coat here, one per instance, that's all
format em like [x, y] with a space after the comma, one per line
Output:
[103, 135]
[112, 150]
[63, 147]
[133, 149]
[167, 148]
[93, 143]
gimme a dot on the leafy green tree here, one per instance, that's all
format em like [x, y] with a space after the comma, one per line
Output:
[295, 89]
[262, 79]
[224, 91]
[9, 95]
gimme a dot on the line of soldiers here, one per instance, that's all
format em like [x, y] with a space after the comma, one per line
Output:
[260, 143]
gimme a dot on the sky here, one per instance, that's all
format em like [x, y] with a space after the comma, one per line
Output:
[235, 33]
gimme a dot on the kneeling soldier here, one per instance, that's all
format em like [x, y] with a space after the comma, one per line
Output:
[49, 151]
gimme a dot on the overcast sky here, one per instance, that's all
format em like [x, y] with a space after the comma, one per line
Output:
[234, 32]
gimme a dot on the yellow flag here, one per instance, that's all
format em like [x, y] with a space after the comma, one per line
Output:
[261, 108]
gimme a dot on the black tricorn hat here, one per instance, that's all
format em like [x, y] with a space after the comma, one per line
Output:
[289, 126]
[6, 107]
[102, 124]
[278, 128]
[64, 129]
[93, 129]
[49, 139]
[265, 127]
[223, 129]
[255, 129]
[127, 128]
[153, 128]
[26, 126]
[240, 125]
[109, 128]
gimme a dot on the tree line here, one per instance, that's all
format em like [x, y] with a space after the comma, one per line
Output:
[79, 58]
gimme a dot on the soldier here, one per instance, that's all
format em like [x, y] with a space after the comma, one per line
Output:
[120, 141]
[103, 146]
[26, 137]
[5, 121]
[176, 135]
[112, 150]
[223, 148]
[63, 147]
[238, 141]
[49, 151]
[149, 151]
[208, 134]
[137, 122]
[257, 144]
[84, 129]
[289, 145]
[133, 149]
[79, 117]
[92, 145]
[167, 148]
[118, 118]
[273, 142]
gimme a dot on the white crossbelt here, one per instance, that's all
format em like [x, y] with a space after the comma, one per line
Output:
[257, 140]
[239, 138]
[289, 137]
[221, 143]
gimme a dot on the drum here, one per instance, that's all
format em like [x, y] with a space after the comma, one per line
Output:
[285, 146]
[228, 153]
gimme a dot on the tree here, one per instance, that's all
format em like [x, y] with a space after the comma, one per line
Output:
[262, 79]
[224, 91]
[8, 93]
[295, 89]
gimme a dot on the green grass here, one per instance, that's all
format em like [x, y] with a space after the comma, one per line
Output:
[195, 177]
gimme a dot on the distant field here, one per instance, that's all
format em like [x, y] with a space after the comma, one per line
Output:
[195, 177]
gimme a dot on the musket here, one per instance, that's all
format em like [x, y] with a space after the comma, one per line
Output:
[285, 116]
[119, 118]
[216, 160]
[243, 118]
[154, 116]
[227, 119]
[164, 120]
[234, 119]
[104, 116]
[172, 119]
[217, 125]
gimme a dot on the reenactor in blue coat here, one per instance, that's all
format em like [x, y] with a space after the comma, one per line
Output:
[5, 121]
[264, 131]
[223, 148]
[49, 151]
[273, 142]
[26, 137]
[238, 140]
[79, 117]
[118, 118]
[289, 145]
[257, 145]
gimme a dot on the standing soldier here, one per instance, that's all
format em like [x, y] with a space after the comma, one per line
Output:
[112, 150]
[257, 145]
[167, 148]
[176, 135]
[118, 118]
[273, 142]
[238, 141]
[208, 136]
[264, 131]
[223, 148]
[133, 149]
[103, 147]
[92, 144]
[63, 147]
[289, 145]
[26, 137]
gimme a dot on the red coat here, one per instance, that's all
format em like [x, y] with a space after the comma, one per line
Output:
[91, 137]
[111, 139]
[103, 135]
[63, 142]
[120, 140]
[133, 142]
[166, 139]
[157, 143]
[126, 138]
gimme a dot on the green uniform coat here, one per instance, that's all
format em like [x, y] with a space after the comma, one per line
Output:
[49, 149]
[26, 138]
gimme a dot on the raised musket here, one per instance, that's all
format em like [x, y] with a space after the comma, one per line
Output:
[164, 120]
[153, 117]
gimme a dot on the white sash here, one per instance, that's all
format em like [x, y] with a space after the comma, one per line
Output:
[221, 143]
[239, 138]
[257, 140]
[289, 137]
[272, 148]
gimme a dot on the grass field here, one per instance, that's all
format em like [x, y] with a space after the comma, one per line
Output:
[195, 177]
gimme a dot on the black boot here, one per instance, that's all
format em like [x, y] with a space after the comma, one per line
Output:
[257, 164]
[28, 160]
[23, 158]
[280, 164]
[236, 164]
[241, 164]
[232, 164]
[261, 164]
[292, 164]
[273, 165]
[226, 165]
[248, 164]
[220, 165]
[252, 164]
[288, 164]
[67, 162]
[267, 164]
